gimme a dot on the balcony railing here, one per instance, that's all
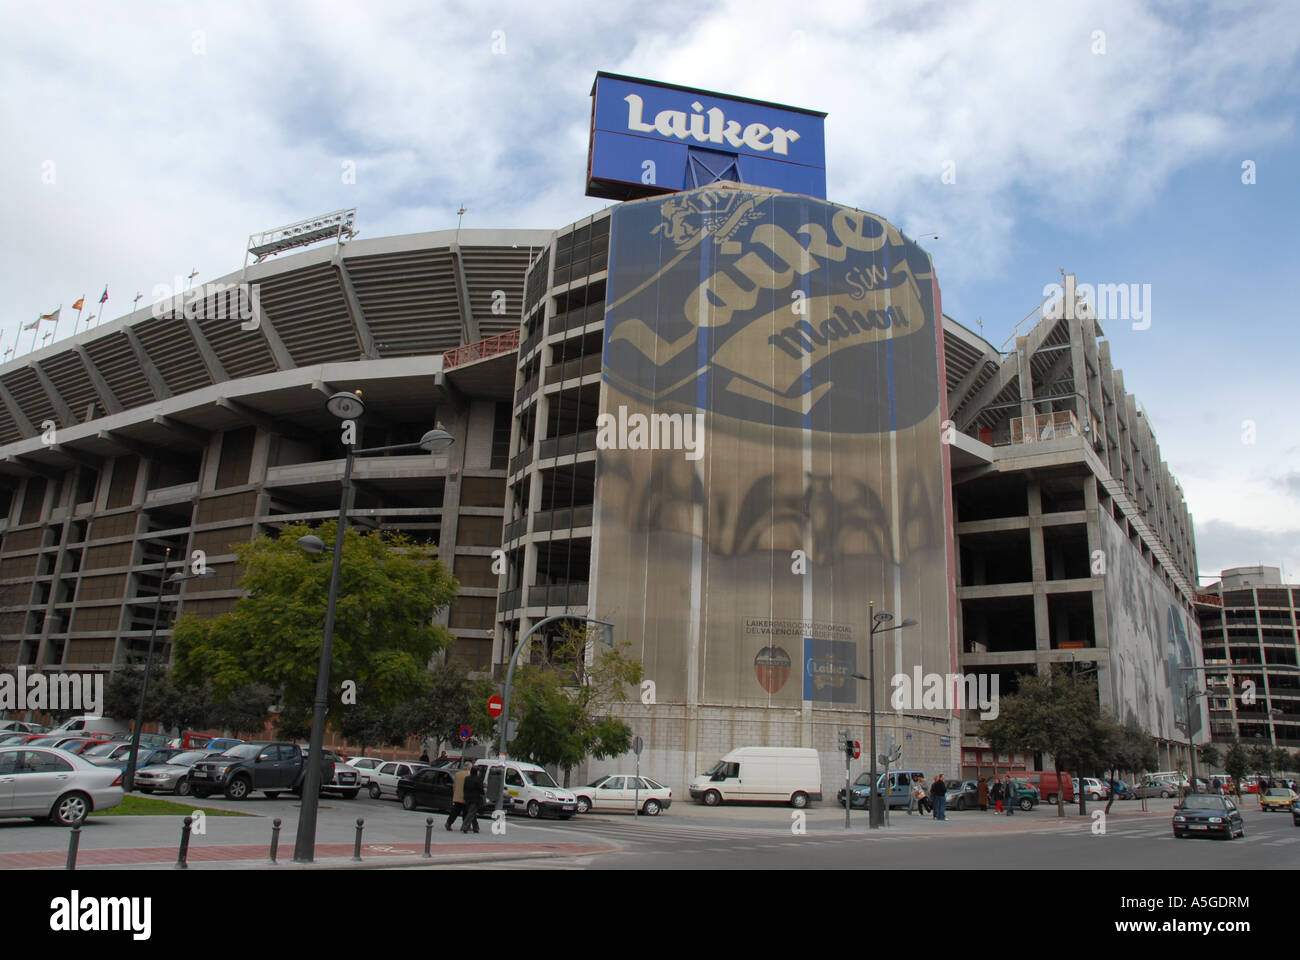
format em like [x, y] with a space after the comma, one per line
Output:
[577, 317]
[568, 518]
[515, 529]
[558, 595]
[1044, 426]
[501, 343]
[509, 600]
[577, 367]
[567, 445]
[521, 459]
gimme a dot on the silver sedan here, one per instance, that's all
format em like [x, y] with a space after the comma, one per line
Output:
[41, 782]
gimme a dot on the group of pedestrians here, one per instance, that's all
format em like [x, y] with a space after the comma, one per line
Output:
[998, 792]
[467, 793]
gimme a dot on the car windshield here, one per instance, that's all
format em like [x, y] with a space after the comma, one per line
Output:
[187, 758]
[103, 750]
[1203, 803]
[864, 780]
[598, 781]
[1278, 792]
[716, 769]
[243, 751]
[43, 741]
[540, 778]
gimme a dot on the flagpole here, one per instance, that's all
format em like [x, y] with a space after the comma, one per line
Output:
[58, 315]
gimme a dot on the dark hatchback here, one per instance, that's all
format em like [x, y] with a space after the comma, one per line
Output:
[431, 788]
[1208, 815]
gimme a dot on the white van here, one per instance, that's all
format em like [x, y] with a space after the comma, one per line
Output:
[528, 788]
[790, 775]
[87, 723]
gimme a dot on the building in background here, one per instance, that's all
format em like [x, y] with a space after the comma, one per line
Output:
[1250, 633]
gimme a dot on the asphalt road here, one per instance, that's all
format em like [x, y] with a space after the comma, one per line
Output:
[744, 837]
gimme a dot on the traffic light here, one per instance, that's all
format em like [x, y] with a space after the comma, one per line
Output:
[849, 747]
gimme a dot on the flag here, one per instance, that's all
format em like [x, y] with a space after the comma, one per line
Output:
[34, 323]
[50, 316]
[80, 300]
[104, 297]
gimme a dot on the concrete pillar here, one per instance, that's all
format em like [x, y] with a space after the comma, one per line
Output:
[1042, 630]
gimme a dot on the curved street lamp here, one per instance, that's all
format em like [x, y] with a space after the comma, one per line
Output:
[878, 620]
[344, 406]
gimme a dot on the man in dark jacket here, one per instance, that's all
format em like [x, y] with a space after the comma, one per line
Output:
[474, 793]
[939, 797]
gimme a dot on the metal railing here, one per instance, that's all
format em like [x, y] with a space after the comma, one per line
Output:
[558, 595]
[577, 367]
[565, 519]
[501, 343]
[567, 445]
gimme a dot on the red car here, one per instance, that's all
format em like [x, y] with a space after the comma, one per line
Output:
[71, 744]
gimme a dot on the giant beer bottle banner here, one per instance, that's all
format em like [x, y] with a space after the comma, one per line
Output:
[769, 452]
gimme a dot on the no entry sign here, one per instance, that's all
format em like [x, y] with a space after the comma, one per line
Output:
[495, 706]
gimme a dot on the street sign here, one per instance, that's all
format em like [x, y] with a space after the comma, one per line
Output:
[465, 734]
[894, 754]
[945, 741]
[857, 749]
[637, 746]
[495, 705]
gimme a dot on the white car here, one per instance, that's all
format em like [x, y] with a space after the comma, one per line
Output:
[365, 767]
[41, 782]
[383, 779]
[619, 792]
[1096, 789]
[526, 787]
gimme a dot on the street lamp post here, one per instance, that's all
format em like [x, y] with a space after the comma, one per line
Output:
[608, 639]
[345, 406]
[128, 778]
[878, 621]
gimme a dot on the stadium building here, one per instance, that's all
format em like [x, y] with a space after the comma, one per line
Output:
[726, 414]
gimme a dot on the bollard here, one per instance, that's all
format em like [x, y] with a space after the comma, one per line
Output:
[275, 838]
[185, 844]
[428, 837]
[74, 841]
[356, 847]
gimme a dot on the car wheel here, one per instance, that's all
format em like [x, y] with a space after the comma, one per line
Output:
[70, 810]
[1026, 804]
[182, 787]
[408, 801]
[374, 791]
[584, 805]
[201, 794]
[798, 801]
[712, 798]
[1051, 798]
[349, 794]
[652, 808]
[1165, 794]
[237, 789]
[534, 809]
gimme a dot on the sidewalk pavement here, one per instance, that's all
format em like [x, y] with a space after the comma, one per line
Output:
[255, 856]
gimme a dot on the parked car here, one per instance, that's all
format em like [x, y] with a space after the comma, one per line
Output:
[11, 738]
[22, 726]
[273, 768]
[1277, 798]
[76, 745]
[345, 781]
[1048, 784]
[619, 791]
[384, 778]
[365, 767]
[1122, 790]
[790, 775]
[431, 788]
[1208, 815]
[1026, 795]
[897, 791]
[1295, 812]
[42, 782]
[120, 758]
[1094, 789]
[527, 787]
[963, 794]
[1156, 788]
[171, 775]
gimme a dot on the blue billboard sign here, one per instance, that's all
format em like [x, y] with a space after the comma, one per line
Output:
[649, 138]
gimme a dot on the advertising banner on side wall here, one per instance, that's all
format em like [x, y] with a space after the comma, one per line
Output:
[769, 454]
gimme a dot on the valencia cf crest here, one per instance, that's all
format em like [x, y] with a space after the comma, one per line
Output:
[772, 667]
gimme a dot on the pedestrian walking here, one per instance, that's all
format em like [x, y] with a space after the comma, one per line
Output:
[1010, 796]
[458, 796]
[424, 755]
[474, 793]
[996, 794]
[914, 796]
[939, 797]
[1114, 789]
[983, 793]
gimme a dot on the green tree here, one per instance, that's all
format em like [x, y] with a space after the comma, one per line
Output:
[389, 590]
[450, 700]
[1281, 760]
[246, 709]
[365, 724]
[562, 700]
[1057, 715]
[1236, 762]
[168, 702]
[1210, 756]
[1261, 758]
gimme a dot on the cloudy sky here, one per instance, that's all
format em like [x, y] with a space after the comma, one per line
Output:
[1112, 140]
